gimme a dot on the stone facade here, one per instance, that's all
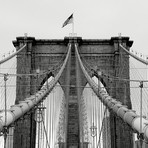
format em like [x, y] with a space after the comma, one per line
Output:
[46, 54]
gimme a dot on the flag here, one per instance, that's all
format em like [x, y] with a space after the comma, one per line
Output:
[68, 21]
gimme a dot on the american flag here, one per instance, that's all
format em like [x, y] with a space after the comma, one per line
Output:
[68, 21]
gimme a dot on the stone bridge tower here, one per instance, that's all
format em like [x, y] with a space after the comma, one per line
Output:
[103, 54]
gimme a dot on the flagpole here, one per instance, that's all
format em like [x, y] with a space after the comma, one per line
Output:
[70, 20]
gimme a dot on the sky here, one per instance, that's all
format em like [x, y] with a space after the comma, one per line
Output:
[93, 19]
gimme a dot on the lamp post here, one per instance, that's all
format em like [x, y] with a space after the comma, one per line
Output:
[93, 132]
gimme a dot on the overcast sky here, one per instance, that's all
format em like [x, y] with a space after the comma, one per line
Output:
[93, 19]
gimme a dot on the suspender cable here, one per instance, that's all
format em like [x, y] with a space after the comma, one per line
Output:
[99, 140]
[96, 118]
[50, 126]
[53, 117]
[48, 120]
[5, 130]
[141, 86]
[46, 135]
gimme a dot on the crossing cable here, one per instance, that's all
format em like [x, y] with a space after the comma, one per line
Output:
[139, 76]
[117, 78]
[56, 66]
[89, 68]
[17, 111]
[113, 77]
[32, 74]
[10, 70]
[11, 56]
[48, 110]
[134, 56]
[145, 94]
[96, 117]
[36, 74]
[128, 116]
[144, 89]
[53, 116]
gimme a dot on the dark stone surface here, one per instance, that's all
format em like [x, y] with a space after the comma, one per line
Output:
[45, 54]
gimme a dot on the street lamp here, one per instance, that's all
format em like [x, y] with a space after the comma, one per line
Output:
[93, 132]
